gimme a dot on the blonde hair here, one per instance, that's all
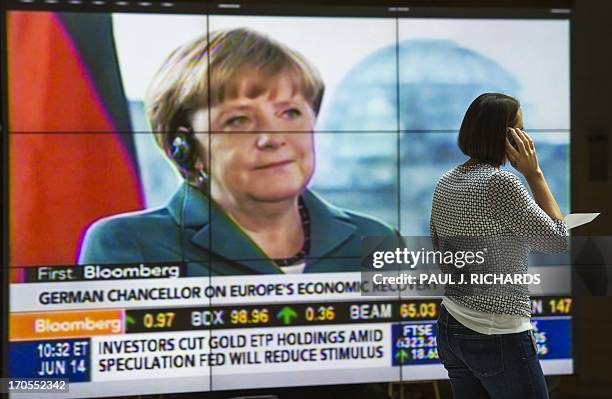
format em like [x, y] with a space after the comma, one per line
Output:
[180, 87]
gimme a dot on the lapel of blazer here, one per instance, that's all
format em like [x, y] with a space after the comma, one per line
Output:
[330, 226]
[217, 233]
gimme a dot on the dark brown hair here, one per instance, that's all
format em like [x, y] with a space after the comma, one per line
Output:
[483, 130]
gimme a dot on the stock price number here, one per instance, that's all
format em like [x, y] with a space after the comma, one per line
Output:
[560, 305]
[424, 353]
[416, 342]
[320, 313]
[158, 320]
[423, 310]
[253, 316]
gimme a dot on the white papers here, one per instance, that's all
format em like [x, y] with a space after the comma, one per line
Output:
[578, 219]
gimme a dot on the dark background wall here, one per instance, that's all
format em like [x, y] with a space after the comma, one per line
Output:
[592, 186]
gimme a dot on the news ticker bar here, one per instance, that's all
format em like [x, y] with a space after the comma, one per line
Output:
[302, 314]
[253, 351]
[277, 315]
[85, 323]
[228, 290]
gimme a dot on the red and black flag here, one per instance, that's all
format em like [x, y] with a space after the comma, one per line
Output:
[72, 154]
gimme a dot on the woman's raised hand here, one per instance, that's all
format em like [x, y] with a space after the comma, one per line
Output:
[522, 155]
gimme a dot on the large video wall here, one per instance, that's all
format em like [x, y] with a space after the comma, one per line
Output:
[135, 270]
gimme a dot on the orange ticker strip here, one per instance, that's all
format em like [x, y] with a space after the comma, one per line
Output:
[79, 324]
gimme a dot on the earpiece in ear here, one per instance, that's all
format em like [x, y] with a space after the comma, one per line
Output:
[180, 150]
[183, 152]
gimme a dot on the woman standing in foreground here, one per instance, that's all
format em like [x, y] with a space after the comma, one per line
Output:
[485, 338]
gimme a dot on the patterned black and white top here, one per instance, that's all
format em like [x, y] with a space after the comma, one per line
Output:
[480, 200]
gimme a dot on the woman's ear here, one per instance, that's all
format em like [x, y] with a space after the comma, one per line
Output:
[201, 173]
[201, 151]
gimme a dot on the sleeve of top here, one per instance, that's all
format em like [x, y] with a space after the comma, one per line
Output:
[513, 206]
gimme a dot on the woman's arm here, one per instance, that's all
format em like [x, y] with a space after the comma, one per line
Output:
[524, 159]
[517, 211]
[511, 204]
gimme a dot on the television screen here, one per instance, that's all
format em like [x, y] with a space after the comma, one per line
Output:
[157, 151]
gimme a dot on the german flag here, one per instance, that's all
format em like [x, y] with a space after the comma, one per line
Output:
[72, 154]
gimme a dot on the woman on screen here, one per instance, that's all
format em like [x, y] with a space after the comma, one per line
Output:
[244, 145]
[485, 338]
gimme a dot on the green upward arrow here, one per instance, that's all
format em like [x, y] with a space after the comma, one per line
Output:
[286, 314]
[401, 355]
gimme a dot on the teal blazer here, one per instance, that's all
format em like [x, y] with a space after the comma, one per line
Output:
[193, 230]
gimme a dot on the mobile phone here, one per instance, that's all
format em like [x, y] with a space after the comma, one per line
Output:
[511, 139]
